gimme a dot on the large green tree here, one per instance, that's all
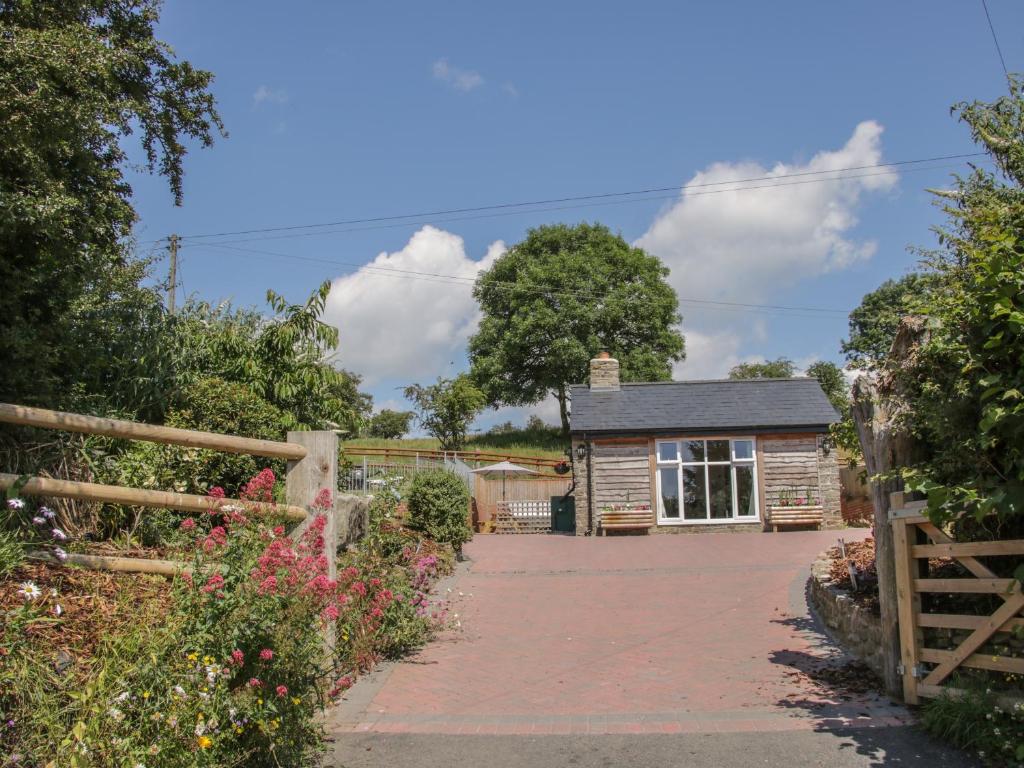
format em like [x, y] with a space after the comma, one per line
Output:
[558, 298]
[77, 79]
[874, 322]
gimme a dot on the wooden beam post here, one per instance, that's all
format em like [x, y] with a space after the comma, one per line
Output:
[909, 606]
[305, 478]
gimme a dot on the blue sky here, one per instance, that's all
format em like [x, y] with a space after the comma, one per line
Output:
[340, 111]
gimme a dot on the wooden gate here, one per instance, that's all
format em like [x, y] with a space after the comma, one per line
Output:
[925, 671]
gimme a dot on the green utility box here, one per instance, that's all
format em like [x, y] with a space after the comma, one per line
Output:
[563, 514]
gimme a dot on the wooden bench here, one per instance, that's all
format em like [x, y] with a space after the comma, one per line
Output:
[626, 520]
[796, 516]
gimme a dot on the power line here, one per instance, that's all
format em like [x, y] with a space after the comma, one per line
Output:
[468, 282]
[677, 194]
[995, 39]
[550, 201]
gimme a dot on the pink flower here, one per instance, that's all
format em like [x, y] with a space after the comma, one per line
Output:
[281, 691]
[323, 499]
[261, 487]
[216, 492]
[214, 583]
[255, 682]
[188, 524]
[330, 613]
[237, 657]
[266, 654]
[279, 530]
[218, 537]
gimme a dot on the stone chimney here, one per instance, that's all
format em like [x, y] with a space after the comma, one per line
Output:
[604, 373]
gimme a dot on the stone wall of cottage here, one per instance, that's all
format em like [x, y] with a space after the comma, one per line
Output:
[828, 483]
[581, 474]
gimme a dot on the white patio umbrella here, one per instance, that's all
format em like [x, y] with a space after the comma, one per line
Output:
[503, 468]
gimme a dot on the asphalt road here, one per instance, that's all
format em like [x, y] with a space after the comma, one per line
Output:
[853, 748]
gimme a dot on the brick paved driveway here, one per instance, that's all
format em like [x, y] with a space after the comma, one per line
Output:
[655, 634]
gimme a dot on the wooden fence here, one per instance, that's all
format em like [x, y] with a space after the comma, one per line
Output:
[487, 491]
[473, 458]
[925, 670]
[312, 465]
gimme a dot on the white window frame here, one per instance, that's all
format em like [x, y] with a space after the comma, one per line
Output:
[732, 463]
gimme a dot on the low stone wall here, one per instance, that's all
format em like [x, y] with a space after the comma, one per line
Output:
[353, 518]
[853, 625]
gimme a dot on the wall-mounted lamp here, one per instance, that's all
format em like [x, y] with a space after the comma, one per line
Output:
[581, 451]
[827, 444]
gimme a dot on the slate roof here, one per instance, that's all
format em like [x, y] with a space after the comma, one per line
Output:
[733, 405]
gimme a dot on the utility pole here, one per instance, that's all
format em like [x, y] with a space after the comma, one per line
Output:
[173, 277]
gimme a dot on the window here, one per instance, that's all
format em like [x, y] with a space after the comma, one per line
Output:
[706, 481]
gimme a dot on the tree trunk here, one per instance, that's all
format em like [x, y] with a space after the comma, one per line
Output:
[563, 409]
[886, 447]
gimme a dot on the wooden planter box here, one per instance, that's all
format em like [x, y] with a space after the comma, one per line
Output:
[804, 514]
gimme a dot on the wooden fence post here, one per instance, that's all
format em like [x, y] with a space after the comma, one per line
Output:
[305, 478]
[908, 601]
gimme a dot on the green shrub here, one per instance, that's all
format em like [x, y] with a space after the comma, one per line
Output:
[976, 722]
[211, 405]
[439, 506]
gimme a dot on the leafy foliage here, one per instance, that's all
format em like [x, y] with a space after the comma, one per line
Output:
[209, 405]
[781, 368]
[286, 359]
[874, 322]
[558, 298]
[833, 382]
[77, 78]
[390, 425]
[447, 408]
[963, 383]
[439, 506]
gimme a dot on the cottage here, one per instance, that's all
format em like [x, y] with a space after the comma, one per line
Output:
[689, 456]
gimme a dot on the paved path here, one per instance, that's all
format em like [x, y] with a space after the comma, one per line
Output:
[705, 640]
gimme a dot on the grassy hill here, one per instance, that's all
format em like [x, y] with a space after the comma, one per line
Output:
[538, 442]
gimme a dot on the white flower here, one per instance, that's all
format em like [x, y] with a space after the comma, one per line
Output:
[29, 591]
[58, 534]
[116, 713]
[180, 691]
[48, 513]
[123, 696]
[200, 728]
[15, 504]
[39, 520]
[60, 554]
[57, 610]
[140, 765]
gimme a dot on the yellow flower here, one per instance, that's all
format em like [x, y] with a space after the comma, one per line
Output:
[259, 701]
[145, 694]
[205, 742]
[207, 659]
[192, 656]
[296, 700]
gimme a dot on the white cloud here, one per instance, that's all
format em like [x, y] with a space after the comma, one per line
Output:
[709, 355]
[511, 90]
[459, 79]
[394, 326]
[751, 244]
[267, 95]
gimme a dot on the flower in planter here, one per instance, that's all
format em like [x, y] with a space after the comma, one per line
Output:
[15, 504]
